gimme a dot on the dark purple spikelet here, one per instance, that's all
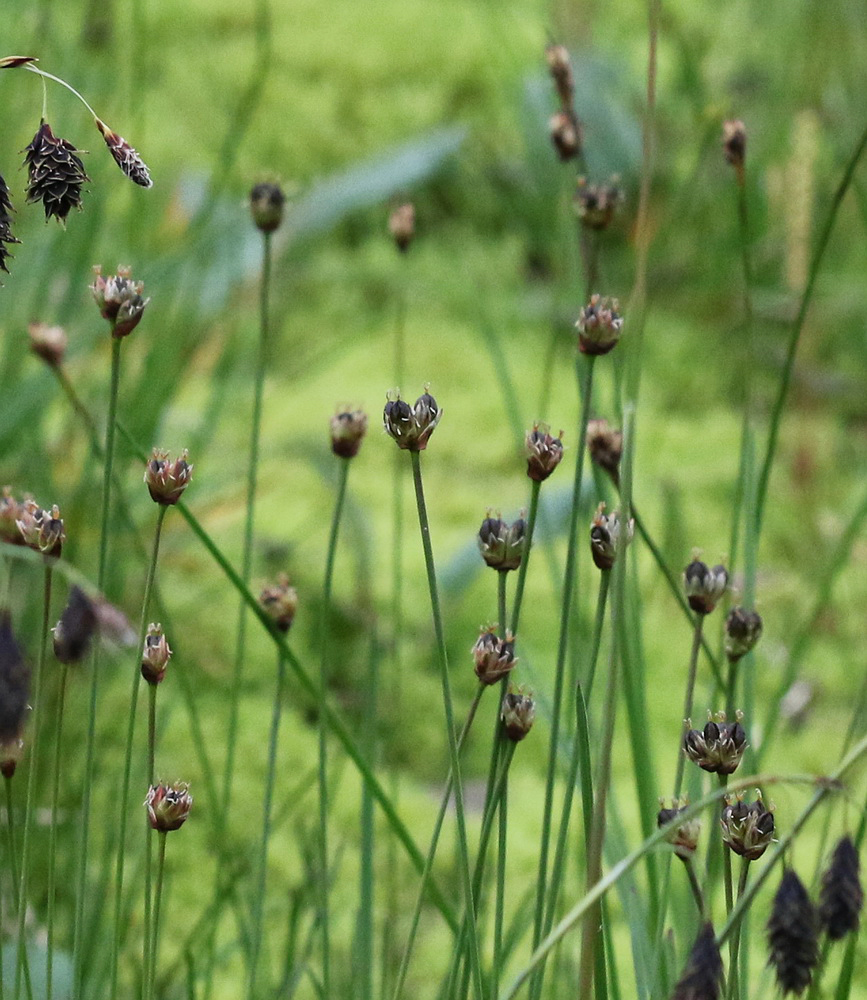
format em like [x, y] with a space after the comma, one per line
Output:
[125, 156]
[14, 682]
[842, 897]
[793, 935]
[702, 977]
[78, 625]
[5, 225]
[56, 174]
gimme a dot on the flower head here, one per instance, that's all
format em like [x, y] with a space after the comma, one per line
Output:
[842, 897]
[280, 602]
[166, 479]
[78, 624]
[684, 837]
[348, 428]
[10, 513]
[605, 532]
[544, 452]
[5, 225]
[42, 530]
[401, 225]
[567, 136]
[155, 655]
[702, 978]
[595, 204]
[11, 753]
[704, 586]
[14, 682]
[493, 657]
[605, 444]
[743, 631]
[518, 714]
[735, 146]
[267, 202]
[560, 67]
[125, 156]
[119, 300]
[747, 829]
[411, 426]
[599, 325]
[718, 747]
[56, 175]
[793, 935]
[48, 343]
[168, 806]
[501, 544]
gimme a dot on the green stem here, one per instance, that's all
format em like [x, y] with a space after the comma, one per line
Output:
[432, 849]
[90, 747]
[525, 557]
[30, 806]
[257, 928]
[559, 669]
[735, 943]
[149, 924]
[324, 631]
[123, 815]
[797, 326]
[463, 849]
[696, 888]
[687, 701]
[249, 520]
[52, 833]
[13, 871]
[502, 831]
[155, 930]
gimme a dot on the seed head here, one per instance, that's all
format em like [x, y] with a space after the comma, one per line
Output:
[704, 586]
[42, 530]
[401, 225]
[605, 531]
[599, 325]
[518, 714]
[168, 806]
[280, 602]
[560, 66]
[125, 156]
[48, 343]
[348, 428]
[10, 513]
[792, 935]
[718, 747]
[735, 146]
[166, 479]
[544, 452]
[411, 426]
[501, 544]
[842, 897]
[6, 236]
[78, 624]
[119, 299]
[748, 830]
[566, 135]
[56, 175]
[155, 655]
[595, 204]
[267, 203]
[605, 445]
[684, 837]
[11, 753]
[743, 631]
[702, 977]
[14, 683]
[493, 657]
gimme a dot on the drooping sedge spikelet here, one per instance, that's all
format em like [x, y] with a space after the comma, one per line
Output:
[842, 897]
[702, 977]
[5, 225]
[56, 174]
[793, 935]
[14, 683]
[125, 156]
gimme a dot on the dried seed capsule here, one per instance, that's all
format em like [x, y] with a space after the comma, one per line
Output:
[348, 428]
[501, 544]
[155, 655]
[493, 657]
[267, 202]
[704, 586]
[684, 837]
[702, 977]
[5, 225]
[518, 714]
[168, 806]
[48, 343]
[10, 513]
[411, 426]
[743, 631]
[599, 325]
[166, 479]
[748, 830]
[11, 753]
[595, 204]
[56, 175]
[566, 135]
[735, 145]
[125, 156]
[78, 624]
[119, 300]
[792, 935]
[560, 66]
[842, 897]
[544, 452]
[42, 530]
[605, 445]
[605, 531]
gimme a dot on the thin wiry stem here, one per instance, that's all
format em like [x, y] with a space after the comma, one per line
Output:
[52, 834]
[525, 557]
[249, 519]
[463, 849]
[123, 814]
[158, 900]
[735, 942]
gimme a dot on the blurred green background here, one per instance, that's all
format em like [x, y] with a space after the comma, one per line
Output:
[351, 107]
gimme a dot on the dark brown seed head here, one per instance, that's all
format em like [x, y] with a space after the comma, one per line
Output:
[842, 897]
[747, 829]
[735, 146]
[493, 657]
[518, 714]
[566, 135]
[595, 204]
[119, 300]
[792, 935]
[125, 156]
[14, 683]
[6, 236]
[78, 624]
[544, 452]
[560, 65]
[718, 747]
[48, 342]
[743, 631]
[599, 325]
[166, 479]
[280, 602]
[56, 175]
[684, 837]
[348, 428]
[168, 806]
[267, 202]
[704, 586]
[605, 444]
[702, 977]
[401, 225]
